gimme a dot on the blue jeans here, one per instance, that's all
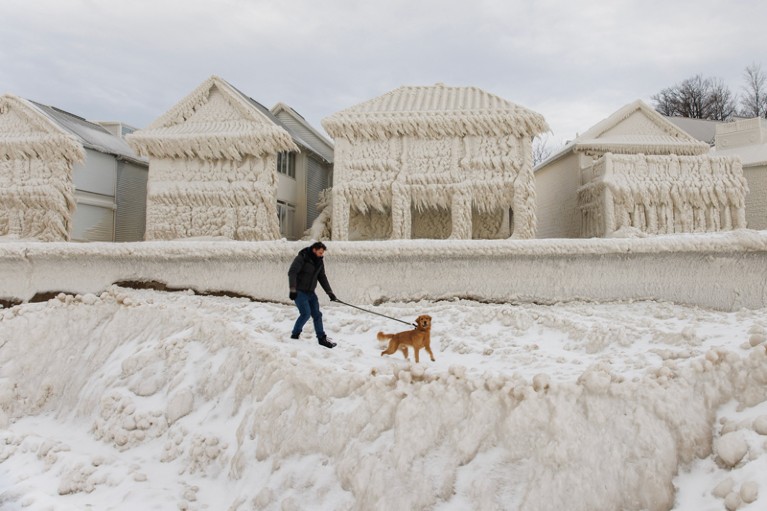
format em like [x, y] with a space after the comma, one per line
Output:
[308, 305]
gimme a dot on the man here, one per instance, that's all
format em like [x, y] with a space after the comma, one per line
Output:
[304, 273]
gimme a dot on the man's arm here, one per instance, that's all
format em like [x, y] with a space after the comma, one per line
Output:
[323, 280]
[295, 267]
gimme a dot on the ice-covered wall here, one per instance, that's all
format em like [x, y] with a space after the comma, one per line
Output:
[663, 194]
[191, 197]
[723, 271]
[433, 162]
[36, 159]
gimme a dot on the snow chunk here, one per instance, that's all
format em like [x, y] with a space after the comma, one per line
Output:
[760, 424]
[731, 448]
[757, 339]
[722, 489]
[179, 405]
[732, 501]
[749, 492]
[541, 382]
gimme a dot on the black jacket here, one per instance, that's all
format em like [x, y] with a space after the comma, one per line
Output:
[306, 270]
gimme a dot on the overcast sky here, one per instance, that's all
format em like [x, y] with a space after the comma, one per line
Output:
[573, 61]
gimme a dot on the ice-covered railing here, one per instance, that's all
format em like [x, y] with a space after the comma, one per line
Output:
[741, 125]
[663, 194]
[725, 271]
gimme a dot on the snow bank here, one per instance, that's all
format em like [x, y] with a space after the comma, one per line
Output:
[141, 399]
[724, 271]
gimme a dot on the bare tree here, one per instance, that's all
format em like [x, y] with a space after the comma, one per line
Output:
[541, 149]
[753, 103]
[666, 102]
[721, 103]
[697, 98]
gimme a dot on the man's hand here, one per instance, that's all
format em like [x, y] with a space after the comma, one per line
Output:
[293, 295]
[333, 297]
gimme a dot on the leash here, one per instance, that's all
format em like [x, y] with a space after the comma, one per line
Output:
[376, 313]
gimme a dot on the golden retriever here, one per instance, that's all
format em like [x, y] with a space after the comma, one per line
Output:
[419, 337]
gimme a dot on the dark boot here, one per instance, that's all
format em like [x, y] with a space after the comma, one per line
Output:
[295, 336]
[324, 341]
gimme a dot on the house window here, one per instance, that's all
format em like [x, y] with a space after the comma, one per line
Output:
[286, 212]
[286, 164]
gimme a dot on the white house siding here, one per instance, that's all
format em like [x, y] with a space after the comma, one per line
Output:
[130, 219]
[756, 200]
[95, 183]
[556, 203]
[317, 179]
[93, 220]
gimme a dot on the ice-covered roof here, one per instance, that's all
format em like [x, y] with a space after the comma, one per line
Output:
[434, 111]
[638, 128]
[89, 134]
[635, 128]
[214, 121]
[701, 129]
[27, 132]
[315, 141]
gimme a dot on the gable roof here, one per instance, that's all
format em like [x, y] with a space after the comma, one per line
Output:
[302, 132]
[27, 132]
[632, 129]
[91, 135]
[434, 111]
[637, 128]
[214, 121]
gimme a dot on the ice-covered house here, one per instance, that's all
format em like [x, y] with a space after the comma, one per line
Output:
[216, 159]
[433, 162]
[65, 178]
[637, 172]
[747, 140]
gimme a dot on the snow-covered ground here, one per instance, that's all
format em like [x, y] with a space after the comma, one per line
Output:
[138, 399]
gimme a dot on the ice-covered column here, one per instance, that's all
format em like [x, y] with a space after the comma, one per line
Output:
[401, 222]
[523, 203]
[340, 222]
[610, 220]
[461, 213]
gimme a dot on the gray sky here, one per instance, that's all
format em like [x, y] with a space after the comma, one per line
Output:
[573, 61]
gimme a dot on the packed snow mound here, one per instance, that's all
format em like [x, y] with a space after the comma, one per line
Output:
[151, 400]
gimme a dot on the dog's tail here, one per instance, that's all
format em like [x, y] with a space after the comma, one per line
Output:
[384, 337]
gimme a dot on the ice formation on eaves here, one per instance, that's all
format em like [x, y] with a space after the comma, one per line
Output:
[36, 159]
[212, 168]
[663, 194]
[442, 161]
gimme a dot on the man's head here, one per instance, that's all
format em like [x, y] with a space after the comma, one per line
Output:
[318, 248]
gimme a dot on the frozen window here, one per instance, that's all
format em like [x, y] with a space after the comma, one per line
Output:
[286, 164]
[286, 212]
